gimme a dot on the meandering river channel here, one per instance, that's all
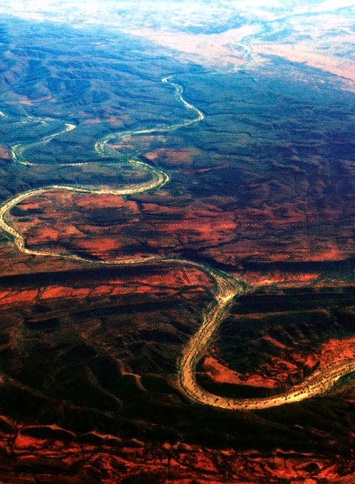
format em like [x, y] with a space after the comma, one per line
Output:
[227, 288]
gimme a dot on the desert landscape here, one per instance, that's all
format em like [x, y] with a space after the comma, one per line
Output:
[176, 281]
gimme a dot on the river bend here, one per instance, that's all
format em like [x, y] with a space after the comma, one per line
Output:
[227, 288]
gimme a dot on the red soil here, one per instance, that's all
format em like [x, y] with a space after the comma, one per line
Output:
[4, 154]
[165, 282]
[61, 456]
[218, 372]
[170, 157]
[162, 224]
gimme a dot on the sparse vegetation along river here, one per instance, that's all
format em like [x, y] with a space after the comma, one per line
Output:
[227, 288]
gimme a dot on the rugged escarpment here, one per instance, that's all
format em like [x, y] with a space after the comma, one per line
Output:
[90, 387]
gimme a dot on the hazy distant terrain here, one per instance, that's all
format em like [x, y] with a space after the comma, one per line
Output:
[318, 32]
[245, 158]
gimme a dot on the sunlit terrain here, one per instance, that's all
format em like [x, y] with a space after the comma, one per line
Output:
[176, 230]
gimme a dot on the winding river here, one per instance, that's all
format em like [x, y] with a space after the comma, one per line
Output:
[227, 288]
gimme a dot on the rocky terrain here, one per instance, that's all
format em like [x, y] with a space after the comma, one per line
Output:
[89, 379]
[260, 189]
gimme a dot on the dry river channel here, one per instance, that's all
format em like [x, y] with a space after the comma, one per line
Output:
[227, 288]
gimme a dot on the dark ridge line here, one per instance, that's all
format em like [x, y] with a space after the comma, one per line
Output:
[80, 275]
[307, 301]
[32, 279]
[301, 265]
[126, 307]
[245, 265]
